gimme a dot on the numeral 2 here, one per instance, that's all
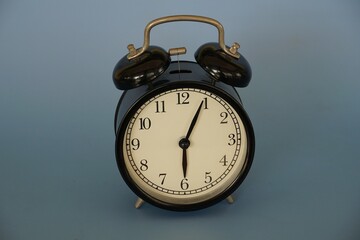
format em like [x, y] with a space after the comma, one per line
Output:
[224, 116]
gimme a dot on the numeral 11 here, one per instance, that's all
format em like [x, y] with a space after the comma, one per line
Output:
[160, 106]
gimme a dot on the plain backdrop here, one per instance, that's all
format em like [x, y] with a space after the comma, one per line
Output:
[58, 174]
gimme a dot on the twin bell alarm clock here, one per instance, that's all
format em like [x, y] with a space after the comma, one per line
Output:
[183, 139]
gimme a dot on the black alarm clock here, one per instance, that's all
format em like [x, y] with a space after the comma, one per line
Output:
[183, 139]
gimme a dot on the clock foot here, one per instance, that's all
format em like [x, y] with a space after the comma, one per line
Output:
[230, 199]
[139, 202]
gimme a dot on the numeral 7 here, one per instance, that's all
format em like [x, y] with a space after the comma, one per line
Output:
[163, 176]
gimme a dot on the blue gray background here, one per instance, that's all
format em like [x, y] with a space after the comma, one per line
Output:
[58, 175]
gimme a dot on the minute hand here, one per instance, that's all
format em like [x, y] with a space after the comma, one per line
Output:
[194, 121]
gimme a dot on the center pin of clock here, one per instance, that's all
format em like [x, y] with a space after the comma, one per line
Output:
[184, 143]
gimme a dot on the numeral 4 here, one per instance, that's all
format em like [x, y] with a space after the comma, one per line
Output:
[224, 161]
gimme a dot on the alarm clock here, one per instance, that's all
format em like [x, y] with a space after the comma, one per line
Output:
[183, 139]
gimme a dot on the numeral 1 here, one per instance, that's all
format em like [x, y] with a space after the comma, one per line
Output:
[206, 103]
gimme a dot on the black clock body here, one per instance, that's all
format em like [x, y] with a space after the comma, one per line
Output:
[179, 74]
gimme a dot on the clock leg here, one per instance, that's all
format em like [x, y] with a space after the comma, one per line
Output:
[139, 202]
[230, 199]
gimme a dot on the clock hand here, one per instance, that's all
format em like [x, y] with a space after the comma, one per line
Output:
[184, 162]
[194, 120]
[185, 143]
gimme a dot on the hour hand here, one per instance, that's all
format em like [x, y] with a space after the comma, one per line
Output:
[184, 144]
[184, 162]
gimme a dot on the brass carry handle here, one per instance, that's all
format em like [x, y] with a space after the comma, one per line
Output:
[232, 51]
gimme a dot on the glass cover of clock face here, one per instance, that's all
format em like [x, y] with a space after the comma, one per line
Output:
[185, 146]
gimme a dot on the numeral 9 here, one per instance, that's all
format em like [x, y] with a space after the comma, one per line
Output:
[135, 143]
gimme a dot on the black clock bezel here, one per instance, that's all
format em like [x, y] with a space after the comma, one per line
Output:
[120, 134]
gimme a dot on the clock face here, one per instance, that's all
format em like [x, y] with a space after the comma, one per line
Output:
[185, 146]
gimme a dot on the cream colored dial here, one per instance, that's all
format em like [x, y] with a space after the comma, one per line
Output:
[185, 146]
